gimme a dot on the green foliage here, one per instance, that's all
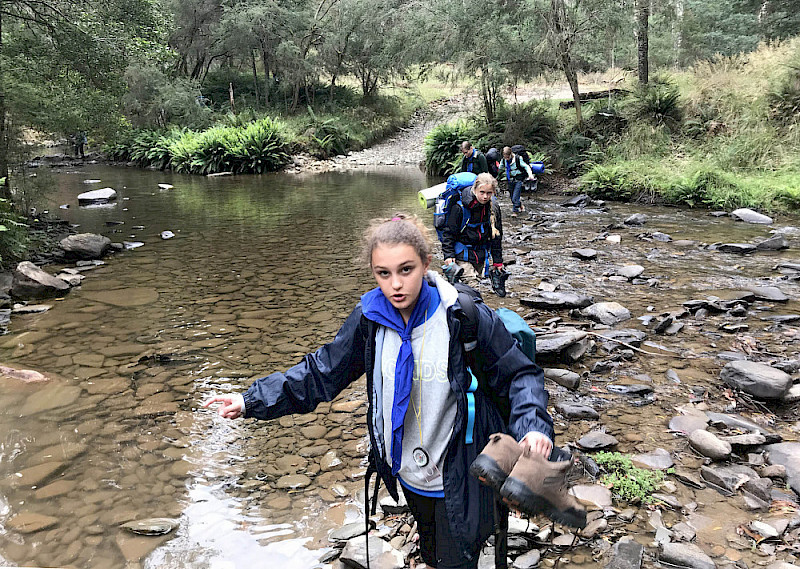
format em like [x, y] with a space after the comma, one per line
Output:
[442, 147]
[658, 102]
[326, 137]
[13, 234]
[254, 148]
[628, 482]
[784, 98]
[533, 124]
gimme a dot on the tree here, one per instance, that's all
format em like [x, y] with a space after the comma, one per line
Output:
[642, 21]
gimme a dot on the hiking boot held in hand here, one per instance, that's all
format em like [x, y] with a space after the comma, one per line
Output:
[498, 278]
[496, 460]
[536, 485]
[452, 272]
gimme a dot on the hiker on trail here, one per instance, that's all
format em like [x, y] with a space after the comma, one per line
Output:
[493, 157]
[473, 161]
[426, 420]
[515, 171]
[80, 140]
[469, 243]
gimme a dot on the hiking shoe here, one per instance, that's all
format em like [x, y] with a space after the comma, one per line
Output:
[498, 279]
[538, 486]
[452, 272]
[496, 460]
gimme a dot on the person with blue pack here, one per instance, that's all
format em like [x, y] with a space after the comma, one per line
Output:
[516, 172]
[473, 233]
[434, 403]
[473, 159]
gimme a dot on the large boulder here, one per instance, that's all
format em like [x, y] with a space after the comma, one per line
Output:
[750, 216]
[556, 300]
[103, 195]
[609, 313]
[32, 282]
[757, 379]
[85, 246]
[787, 455]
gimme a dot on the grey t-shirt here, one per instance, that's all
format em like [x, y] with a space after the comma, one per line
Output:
[431, 411]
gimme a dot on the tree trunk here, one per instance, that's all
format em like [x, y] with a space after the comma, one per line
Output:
[677, 32]
[255, 74]
[230, 98]
[489, 95]
[642, 21]
[265, 60]
[5, 187]
[563, 47]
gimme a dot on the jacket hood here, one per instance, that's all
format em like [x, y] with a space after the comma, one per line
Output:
[448, 295]
[467, 196]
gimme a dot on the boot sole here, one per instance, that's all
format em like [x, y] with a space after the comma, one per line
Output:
[486, 469]
[518, 496]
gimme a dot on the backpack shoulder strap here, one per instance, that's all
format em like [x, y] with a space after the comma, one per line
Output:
[469, 321]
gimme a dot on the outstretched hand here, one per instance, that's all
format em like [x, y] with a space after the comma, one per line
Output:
[232, 405]
[537, 443]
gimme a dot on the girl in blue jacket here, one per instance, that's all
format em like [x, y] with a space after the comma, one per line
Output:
[424, 429]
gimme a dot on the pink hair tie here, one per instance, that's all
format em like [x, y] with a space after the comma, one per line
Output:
[397, 219]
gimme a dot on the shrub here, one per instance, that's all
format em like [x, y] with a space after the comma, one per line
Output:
[532, 124]
[442, 147]
[784, 99]
[628, 482]
[262, 147]
[658, 102]
[13, 233]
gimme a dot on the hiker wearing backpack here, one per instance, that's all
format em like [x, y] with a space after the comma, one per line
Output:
[473, 161]
[428, 417]
[474, 232]
[515, 171]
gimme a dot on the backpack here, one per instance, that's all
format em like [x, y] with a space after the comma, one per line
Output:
[520, 151]
[451, 194]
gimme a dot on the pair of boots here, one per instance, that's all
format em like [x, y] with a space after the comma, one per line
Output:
[528, 482]
[498, 278]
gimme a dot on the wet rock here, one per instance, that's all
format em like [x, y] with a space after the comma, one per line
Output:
[683, 532]
[137, 296]
[659, 459]
[773, 244]
[563, 377]
[574, 411]
[609, 313]
[85, 246]
[576, 351]
[636, 219]
[630, 271]
[738, 248]
[167, 235]
[585, 254]
[597, 440]
[555, 343]
[746, 440]
[23, 375]
[347, 532]
[757, 379]
[592, 495]
[581, 200]
[136, 547]
[749, 216]
[151, 526]
[51, 397]
[687, 424]
[330, 461]
[626, 554]
[634, 390]
[381, 554]
[103, 195]
[788, 456]
[613, 339]
[31, 522]
[594, 528]
[32, 282]
[36, 475]
[782, 318]
[728, 478]
[761, 488]
[390, 506]
[293, 481]
[768, 293]
[685, 555]
[527, 560]
[662, 237]
[709, 445]
[734, 421]
[763, 529]
[556, 300]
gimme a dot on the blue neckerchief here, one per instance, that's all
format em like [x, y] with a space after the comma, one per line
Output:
[376, 307]
[508, 172]
[471, 161]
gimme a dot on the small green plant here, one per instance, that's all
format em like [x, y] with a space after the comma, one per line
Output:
[628, 482]
[442, 147]
[659, 103]
[13, 234]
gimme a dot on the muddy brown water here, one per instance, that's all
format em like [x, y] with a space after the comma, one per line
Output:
[261, 271]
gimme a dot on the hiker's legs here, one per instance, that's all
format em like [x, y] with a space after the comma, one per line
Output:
[437, 545]
[516, 193]
[470, 276]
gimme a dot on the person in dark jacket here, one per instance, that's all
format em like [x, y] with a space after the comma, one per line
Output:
[424, 430]
[516, 172]
[474, 231]
[473, 161]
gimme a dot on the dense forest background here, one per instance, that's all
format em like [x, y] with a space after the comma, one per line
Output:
[208, 85]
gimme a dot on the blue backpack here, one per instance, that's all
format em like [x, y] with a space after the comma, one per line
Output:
[451, 195]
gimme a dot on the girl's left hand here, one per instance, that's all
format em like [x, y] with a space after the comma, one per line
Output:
[537, 443]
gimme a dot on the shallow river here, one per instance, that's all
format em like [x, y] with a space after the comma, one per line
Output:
[261, 271]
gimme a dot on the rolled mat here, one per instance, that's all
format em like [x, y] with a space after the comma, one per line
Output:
[427, 197]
